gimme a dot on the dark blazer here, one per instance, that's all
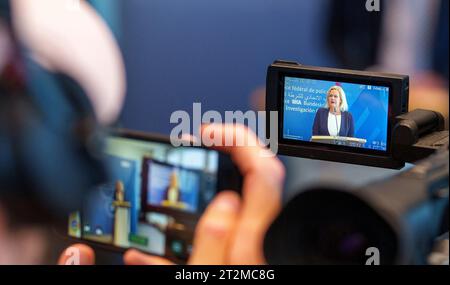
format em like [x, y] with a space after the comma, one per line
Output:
[320, 127]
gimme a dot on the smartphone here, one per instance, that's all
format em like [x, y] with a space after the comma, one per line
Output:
[155, 197]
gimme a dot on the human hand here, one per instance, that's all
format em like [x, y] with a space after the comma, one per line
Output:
[232, 229]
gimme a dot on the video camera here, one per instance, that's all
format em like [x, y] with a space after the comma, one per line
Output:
[375, 130]
[359, 118]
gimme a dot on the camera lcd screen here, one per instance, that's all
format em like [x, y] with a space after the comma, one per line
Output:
[154, 198]
[339, 113]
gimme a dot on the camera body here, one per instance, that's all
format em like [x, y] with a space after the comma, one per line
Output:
[400, 217]
[363, 123]
[359, 118]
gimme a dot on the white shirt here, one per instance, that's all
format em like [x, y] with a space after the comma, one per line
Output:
[334, 124]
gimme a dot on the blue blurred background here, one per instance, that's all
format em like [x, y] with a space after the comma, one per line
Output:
[179, 52]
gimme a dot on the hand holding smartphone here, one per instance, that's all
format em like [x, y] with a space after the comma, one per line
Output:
[155, 198]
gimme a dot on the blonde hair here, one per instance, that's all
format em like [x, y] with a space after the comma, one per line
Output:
[344, 105]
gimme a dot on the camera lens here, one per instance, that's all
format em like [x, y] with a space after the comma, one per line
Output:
[342, 241]
[328, 227]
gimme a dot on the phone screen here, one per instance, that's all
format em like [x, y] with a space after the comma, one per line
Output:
[155, 197]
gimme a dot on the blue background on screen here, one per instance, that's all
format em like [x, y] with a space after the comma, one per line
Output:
[98, 210]
[159, 180]
[368, 105]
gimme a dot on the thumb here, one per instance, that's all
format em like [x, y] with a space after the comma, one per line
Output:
[77, 254]
[134, 257]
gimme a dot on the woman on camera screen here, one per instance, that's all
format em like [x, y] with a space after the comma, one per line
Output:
[334, 119]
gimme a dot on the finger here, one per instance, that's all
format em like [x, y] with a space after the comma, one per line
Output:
[77, 254]
[236, 140]
[245, 148]
[215, 229]
[135, 257]
[261, 204]
[263, 180]
[263, 176]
